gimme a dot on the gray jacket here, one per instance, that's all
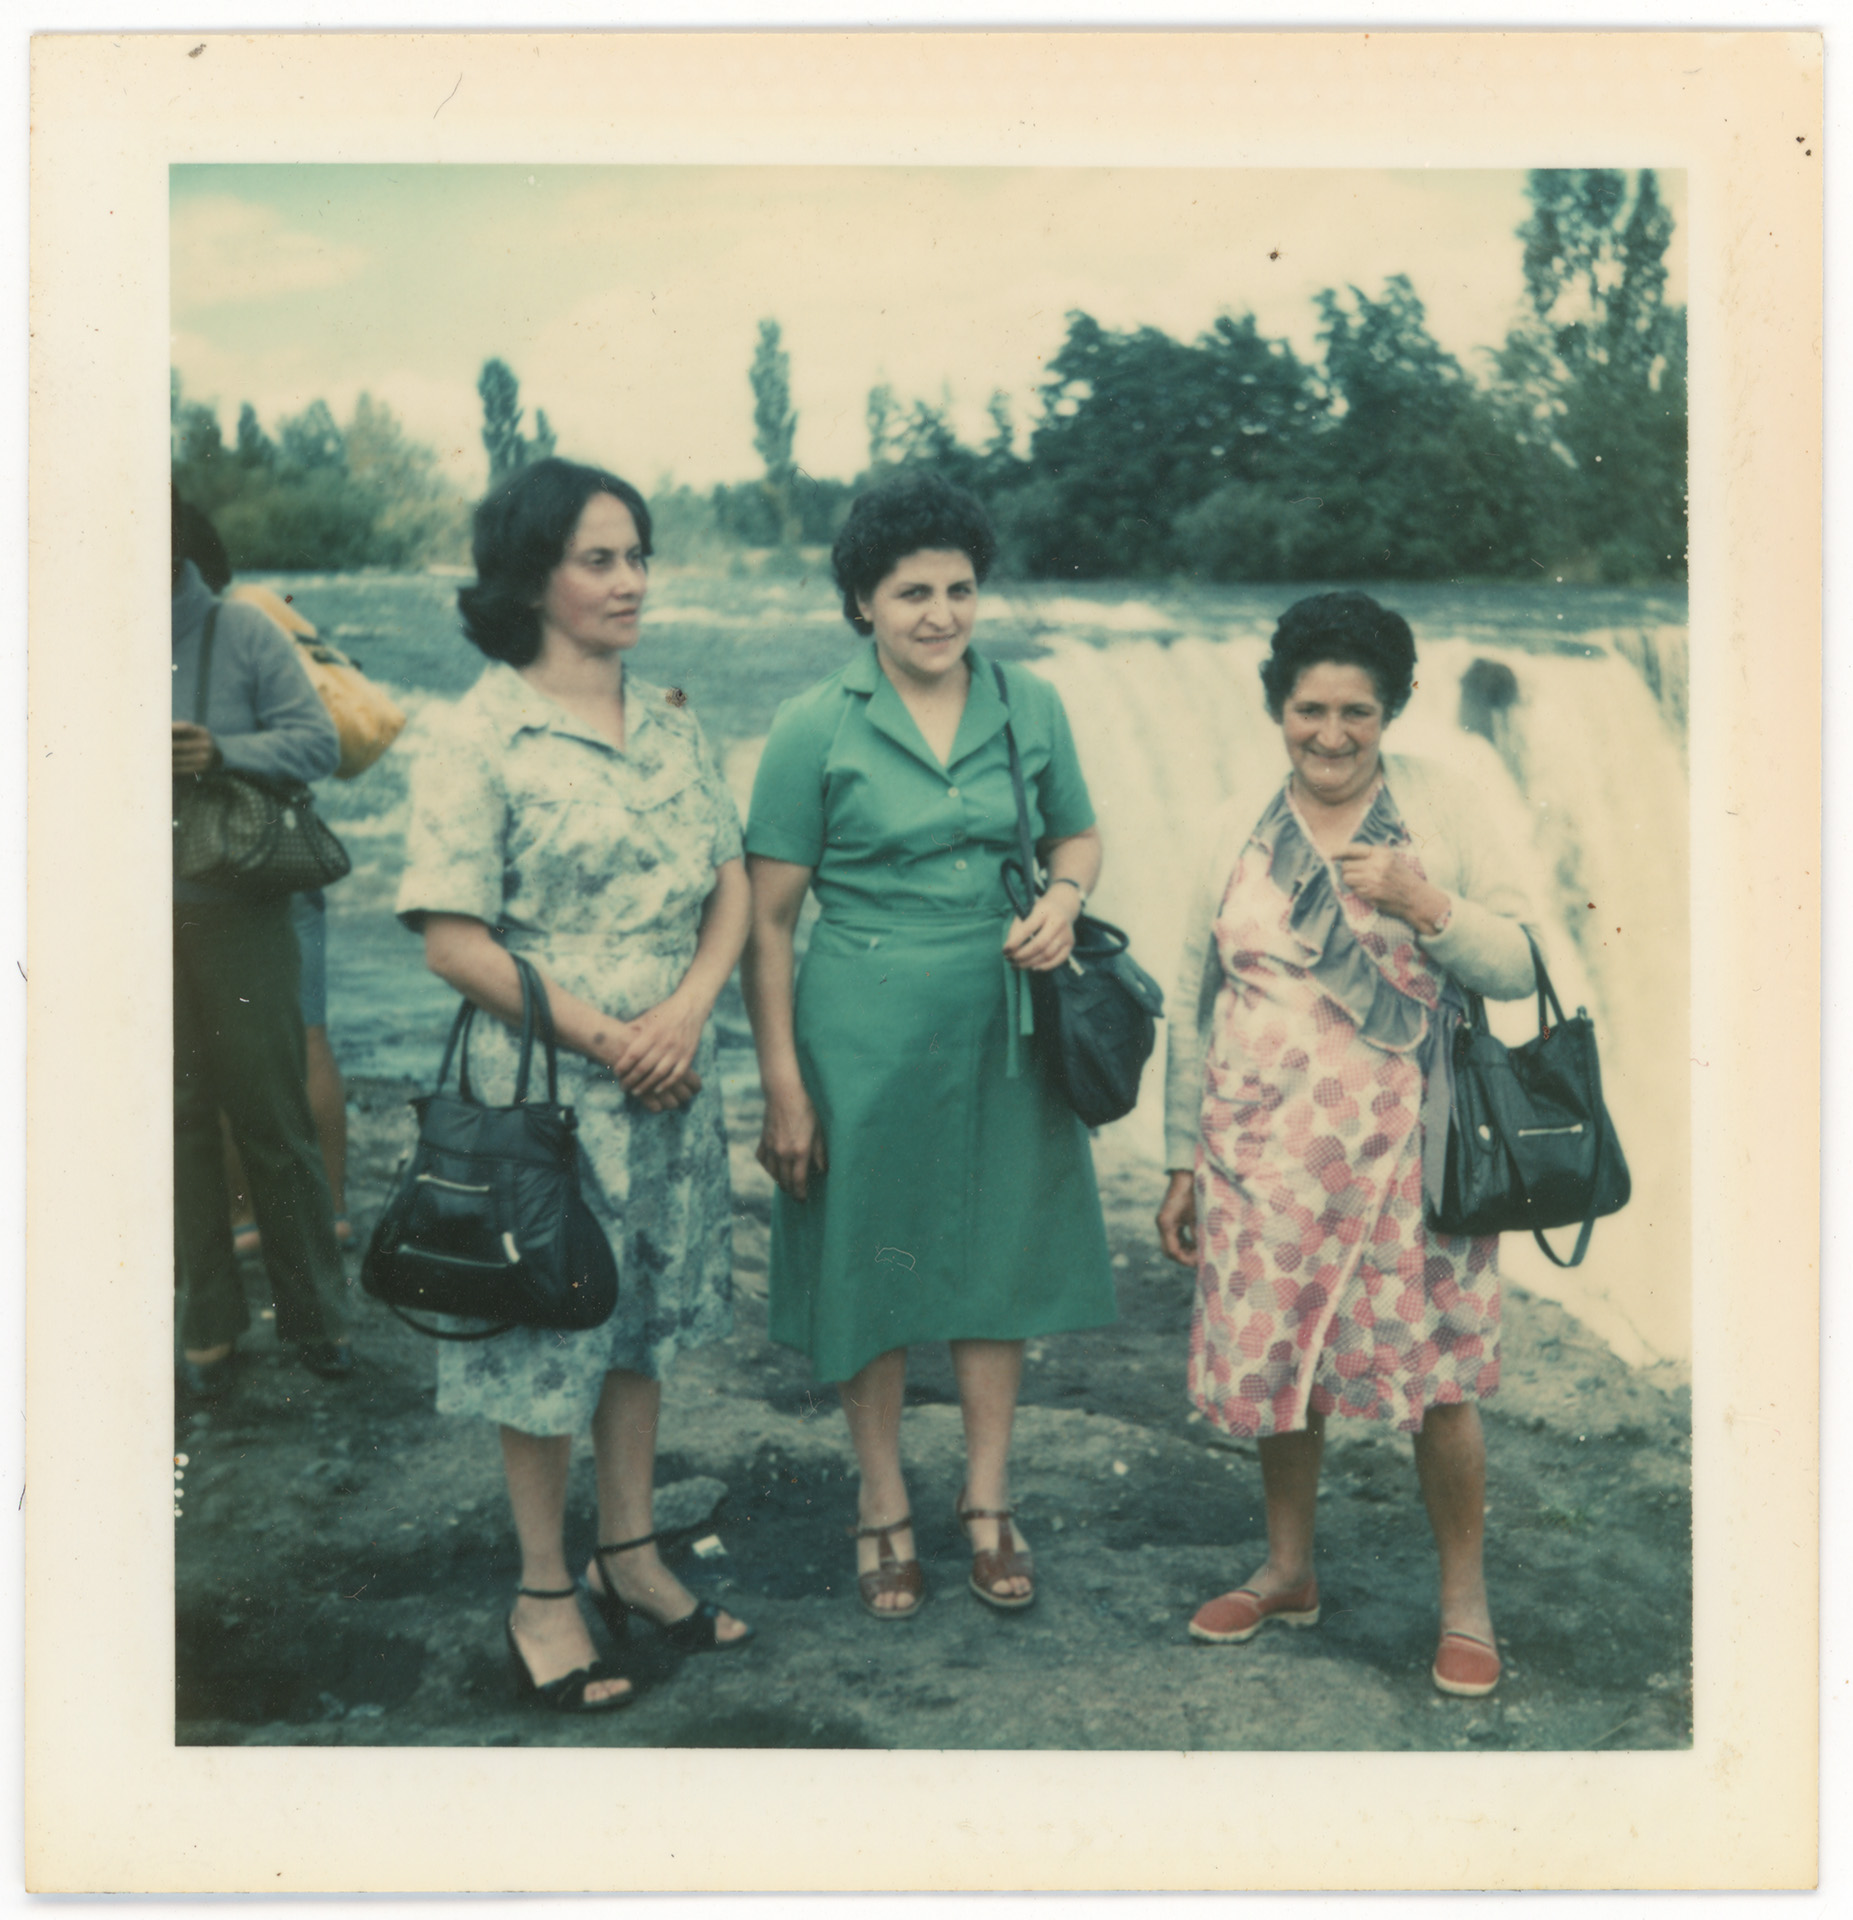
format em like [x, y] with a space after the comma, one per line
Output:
[260, 707]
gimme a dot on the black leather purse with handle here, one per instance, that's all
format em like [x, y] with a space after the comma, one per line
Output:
[1097, 1013]
[1530, 1142]
[487, 1220]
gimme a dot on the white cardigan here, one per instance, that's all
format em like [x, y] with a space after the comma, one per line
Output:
[1483, 945]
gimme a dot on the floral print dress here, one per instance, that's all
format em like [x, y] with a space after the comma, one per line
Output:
[595, 863]
[1319, 1286]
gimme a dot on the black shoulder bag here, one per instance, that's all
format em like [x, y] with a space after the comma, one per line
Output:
[487, 1220]
[1097, 1013]
[255, 834]
[1530, 1143]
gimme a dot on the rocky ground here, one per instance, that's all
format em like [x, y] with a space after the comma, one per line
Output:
[343, 1558]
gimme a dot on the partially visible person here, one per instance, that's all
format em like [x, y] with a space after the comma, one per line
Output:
[1340, 909]
[569, 812]
[238, 1031]
[327, 1094]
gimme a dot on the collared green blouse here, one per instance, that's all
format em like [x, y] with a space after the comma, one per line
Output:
[849, 787]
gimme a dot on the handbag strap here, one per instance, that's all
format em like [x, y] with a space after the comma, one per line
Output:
[204, 683]
[531, 994]
[1597, 1113]
[535, 994]
[1024, 869]
[439, 1333]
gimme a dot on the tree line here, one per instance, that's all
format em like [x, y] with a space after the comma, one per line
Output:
[1226, 457]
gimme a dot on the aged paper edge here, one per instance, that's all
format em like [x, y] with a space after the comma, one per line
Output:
[111, 1804]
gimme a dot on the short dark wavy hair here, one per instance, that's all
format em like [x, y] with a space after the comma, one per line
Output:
[915, 512]
[1348, 629]
[519, 534]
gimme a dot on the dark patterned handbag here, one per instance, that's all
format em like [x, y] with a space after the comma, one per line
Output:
[1530, 1142]
[487, 1220]
[252, 834]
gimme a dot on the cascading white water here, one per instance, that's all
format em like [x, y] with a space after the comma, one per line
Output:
[1600, 822]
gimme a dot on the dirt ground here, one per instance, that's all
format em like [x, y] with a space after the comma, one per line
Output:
[343, 1557]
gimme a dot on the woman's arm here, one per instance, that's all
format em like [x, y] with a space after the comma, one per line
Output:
[657, 1049]
[464, 954]
[1044, 937]
[790, 1143]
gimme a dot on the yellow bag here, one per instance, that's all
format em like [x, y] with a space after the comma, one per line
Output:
[367, 719]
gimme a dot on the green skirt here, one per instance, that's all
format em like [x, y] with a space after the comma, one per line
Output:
[960, 1202]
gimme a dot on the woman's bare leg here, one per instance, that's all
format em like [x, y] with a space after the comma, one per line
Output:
[990, 1374]
[1450, 1458]
[1290, 1486]
[552, 1634]
[872, 1406]
[624, 1455]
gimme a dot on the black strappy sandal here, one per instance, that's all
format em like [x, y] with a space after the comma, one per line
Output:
[566, 1694]
[698, 1631]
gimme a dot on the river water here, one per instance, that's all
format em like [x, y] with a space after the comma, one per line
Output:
[1572, 700]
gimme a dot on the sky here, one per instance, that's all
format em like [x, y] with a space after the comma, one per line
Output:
[627, 299]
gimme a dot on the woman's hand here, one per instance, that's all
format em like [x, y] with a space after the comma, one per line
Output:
[1177, 1220]
[1044, 937]
[791, 1143]
[656, 1051]
[677, 1094]
[1383, 878]
[195, 750]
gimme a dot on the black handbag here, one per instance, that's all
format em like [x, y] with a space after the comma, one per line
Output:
[1097, 1013]
[1530, 1143]
[252, 834]
[487, 1220]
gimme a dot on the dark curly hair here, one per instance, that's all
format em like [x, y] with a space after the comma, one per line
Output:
[519, 534]
[1349, 629]
[915, 512]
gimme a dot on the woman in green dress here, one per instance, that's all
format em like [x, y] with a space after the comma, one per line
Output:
[933, 1184]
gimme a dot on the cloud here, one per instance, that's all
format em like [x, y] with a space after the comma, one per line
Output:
[228, 251]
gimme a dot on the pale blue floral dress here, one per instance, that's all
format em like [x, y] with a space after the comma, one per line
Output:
[595, 863]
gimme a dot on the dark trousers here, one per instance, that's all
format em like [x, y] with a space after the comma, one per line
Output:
[238, 1046]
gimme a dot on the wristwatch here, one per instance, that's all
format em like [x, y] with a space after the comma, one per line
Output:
[1441, 923]
[1062, 880]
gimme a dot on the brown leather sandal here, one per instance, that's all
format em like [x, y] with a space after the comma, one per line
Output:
[891, 1575]
[1005, 1561]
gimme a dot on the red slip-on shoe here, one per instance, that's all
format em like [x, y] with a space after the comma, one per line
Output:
[1465, 1665]
[1240, 1615]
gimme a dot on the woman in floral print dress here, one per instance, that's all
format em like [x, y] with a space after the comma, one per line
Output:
[1307, 1063]
[569, 812]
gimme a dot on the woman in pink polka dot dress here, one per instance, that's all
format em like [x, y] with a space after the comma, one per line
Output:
[1340, 913]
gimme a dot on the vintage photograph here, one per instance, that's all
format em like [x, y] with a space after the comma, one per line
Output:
[896, 889]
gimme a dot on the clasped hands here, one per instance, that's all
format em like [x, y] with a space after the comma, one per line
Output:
[653, 1056]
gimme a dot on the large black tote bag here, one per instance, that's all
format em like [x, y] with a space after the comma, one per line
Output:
[487, 1220]
[1530, 1142]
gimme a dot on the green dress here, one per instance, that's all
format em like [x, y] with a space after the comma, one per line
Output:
[960, 1200]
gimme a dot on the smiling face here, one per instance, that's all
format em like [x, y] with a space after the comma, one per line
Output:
[594, 595]
[1333, 725]
[923, 612]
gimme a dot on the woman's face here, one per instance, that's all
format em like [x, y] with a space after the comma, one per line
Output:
[595, 594]
[1333, 724]
[923, 613]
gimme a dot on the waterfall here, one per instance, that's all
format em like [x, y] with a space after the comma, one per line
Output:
[1592, 800]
